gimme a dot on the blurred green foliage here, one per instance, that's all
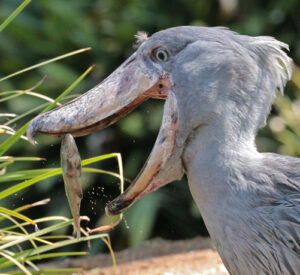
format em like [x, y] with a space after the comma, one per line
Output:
[46, 29]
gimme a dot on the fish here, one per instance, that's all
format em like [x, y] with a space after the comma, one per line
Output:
[71, 171]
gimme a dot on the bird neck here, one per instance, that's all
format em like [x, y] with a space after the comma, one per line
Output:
[221, 138]
[214, 158]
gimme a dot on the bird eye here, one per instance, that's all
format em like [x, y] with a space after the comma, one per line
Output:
[161, 55]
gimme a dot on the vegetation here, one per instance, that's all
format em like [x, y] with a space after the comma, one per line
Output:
[23, 240]
[46, 29]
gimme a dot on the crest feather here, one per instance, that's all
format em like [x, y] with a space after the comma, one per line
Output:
[279, 61]
[140, 37]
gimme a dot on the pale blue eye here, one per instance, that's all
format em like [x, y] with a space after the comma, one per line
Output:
[161, 55]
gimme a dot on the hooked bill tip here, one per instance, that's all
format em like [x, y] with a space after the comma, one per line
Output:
[117, 206]
[31, 132]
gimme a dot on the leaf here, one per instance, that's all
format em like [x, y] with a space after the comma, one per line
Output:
[36, 234]
[44, 248]
[6, 158]
[45, 63]
[54, 172]
[27, 206]
[68, 90]
[24, 184]
[16, 214]
[11, 140]
[4, 146]
[4, 164]
[13, 15]
[23, 174]
[54, 255]
[17, 263]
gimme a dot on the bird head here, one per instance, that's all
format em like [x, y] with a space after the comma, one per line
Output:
[203, 74]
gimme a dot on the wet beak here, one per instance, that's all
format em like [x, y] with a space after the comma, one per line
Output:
[121, 92]
[132, 83]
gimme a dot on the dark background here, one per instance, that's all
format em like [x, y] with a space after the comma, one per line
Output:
[46, 29]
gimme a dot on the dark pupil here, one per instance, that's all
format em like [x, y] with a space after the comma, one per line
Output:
[161, 56]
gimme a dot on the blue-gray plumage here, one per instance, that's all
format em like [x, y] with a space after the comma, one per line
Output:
[219, 87]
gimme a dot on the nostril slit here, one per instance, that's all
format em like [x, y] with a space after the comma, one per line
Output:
[160, 86]
[130, 61]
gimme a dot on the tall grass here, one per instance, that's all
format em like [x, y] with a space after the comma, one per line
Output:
[25, 241]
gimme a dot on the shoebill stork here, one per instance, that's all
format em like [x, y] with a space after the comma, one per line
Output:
[219, 87]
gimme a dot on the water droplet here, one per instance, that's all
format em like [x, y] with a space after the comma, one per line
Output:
[126, 224]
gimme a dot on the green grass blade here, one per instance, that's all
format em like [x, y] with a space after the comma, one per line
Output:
[46, 62]
[101, 171]
[12, 133]
[3, 99]
[99, 158]
[27, 183]
[58, 171]
[11, 140]
[4, 146]
[54, 172]
[16, 235]
[105, 172]
[10, 92]
[6, 158]
[15, 262]
[68, 90]
[27, 206]
[37, 95]
[23, 174]
[6, 163]
[108, 244]
[25, 92]
[38, 221]
[7, 115]
[13, 120]
[13, 15]
[16, 214]
[30, 205]
[20, 226]
[16, 118]
[36, 234]
[55, 255]
[45, 248]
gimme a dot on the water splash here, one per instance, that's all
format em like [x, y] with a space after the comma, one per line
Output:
[126, 224]
[36, 228]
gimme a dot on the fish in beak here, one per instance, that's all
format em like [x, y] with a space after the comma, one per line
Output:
[71, 171]
[143, 75]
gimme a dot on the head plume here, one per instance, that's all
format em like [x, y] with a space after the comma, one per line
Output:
[140, 37]
[271, 52]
